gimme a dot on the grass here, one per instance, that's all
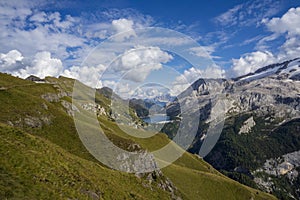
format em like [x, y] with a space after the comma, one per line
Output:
[210, 186]
[34, 168]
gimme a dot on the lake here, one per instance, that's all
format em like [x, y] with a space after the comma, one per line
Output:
[155, 119]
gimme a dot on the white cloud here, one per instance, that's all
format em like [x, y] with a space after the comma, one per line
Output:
[12, 10]
[136, 64]
[10, 61]
[214, 72]
[288, 23]
[97, 30]
[42, 65]
[39, 17]
[124, 29]
[262, 43]
[67, 37]
[30, 30]
[290, 49]
[140, 20]
[251, 62]
[189, 76]
[27, 26]
[230, 16]
[172, 40]
[249, 13]
[204, 51]
[109, 83]
[88, 75]
[124, 90]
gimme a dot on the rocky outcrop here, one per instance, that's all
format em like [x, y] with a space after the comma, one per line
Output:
[247, 126]
[146, 168]
[95, 108]
[51, 97]
[36, 122]
[70, 109]
[283, 165]
[274, 169]
[142, 161]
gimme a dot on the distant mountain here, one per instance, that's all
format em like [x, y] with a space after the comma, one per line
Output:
[156, 105]
[162, 99]
[262, 126]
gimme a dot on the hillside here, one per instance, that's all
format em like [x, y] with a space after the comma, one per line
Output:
[45, 158]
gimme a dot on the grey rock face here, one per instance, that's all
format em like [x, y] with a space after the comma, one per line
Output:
[36, 122]
[271, 93]
[142, 162]
[50, 97]
[70, 109]
[282, 166]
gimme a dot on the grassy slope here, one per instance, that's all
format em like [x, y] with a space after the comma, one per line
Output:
[194, 178]
[35, 168]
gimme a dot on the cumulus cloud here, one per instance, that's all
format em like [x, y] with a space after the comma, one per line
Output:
[137, 63]
[88, 75]
[39, 17]
[10, 61]
[251, 62]
[286, 25]
[214, 72]
[125, 90]
[192, 74]
[290, 49]
[124, 29]
[41, 65]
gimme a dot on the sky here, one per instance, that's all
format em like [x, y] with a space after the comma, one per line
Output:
[110, 43]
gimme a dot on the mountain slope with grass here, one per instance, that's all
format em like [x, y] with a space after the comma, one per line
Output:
[43, 157]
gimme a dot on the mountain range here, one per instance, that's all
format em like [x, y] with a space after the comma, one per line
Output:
[259, 144]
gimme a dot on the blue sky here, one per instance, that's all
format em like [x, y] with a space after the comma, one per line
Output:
[198, 19]
[57, 37]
